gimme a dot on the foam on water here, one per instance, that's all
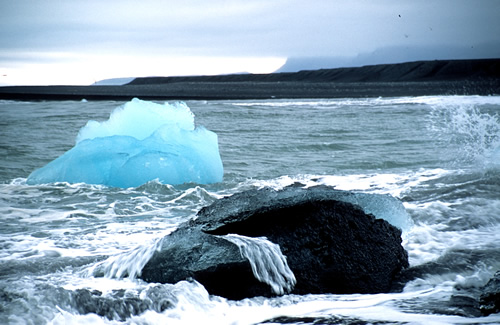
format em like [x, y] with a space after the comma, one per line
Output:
[141, 141]
[381, 101]
[469, 129]
[128, 264]
[195, 306]
[114, 220]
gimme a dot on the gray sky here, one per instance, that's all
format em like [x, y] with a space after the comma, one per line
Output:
[79, 42]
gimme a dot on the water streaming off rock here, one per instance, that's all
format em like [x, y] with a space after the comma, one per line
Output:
[268, 263]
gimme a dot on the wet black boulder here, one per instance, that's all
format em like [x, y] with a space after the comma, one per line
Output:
[490, 297]
[331, 245]
[189, 253]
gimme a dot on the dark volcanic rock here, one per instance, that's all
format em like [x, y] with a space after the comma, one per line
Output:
[112, 308]
[119, 305]
[241, 206]
[490, 298]
[332, 246]
[189, 253]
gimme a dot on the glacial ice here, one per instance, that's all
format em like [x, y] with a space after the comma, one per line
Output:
[142, 141]
[384, 207]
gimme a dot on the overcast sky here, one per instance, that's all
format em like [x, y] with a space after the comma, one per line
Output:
[80, 42]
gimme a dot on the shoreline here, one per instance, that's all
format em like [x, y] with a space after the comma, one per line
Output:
[250, 90]
[421, 78]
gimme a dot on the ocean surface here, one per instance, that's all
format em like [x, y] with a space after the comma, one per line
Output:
[439, 155]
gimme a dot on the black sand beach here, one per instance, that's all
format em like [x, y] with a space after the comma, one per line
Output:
[443, 77]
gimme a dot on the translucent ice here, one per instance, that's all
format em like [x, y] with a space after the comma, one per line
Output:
[384, 207]
[139, 119]
[141, 141]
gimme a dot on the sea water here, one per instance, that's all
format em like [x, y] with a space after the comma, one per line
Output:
[439, 155]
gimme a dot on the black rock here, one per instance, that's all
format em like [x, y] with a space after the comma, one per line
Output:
[490, 297]
[245, 204]
[332, 246]
[189, 253]
[120, 306]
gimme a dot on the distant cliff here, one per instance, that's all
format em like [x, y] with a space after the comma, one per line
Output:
[439, 70]
[422, 78]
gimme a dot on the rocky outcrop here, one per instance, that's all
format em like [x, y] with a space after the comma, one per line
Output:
[490, 297]
[330, 244]
[436, 70]
[189, 253]
[121, 304]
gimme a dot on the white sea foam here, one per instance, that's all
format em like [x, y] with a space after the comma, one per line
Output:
[395, 184]
[429, 242]
[468, 128]
[128, 264]
[381, 101]
[195, 306]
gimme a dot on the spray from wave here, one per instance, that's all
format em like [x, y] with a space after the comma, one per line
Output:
[470, 132]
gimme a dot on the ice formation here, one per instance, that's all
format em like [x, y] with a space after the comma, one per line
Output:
[384, 207]
[141, 141]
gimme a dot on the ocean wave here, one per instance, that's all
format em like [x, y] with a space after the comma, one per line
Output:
[469, 129]
[380, 101]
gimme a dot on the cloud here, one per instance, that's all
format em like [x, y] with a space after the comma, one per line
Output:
[87, 69]
[148, 26]
[56, 29]
[218, 27]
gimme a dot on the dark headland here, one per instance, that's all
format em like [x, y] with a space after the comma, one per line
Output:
[440, 77]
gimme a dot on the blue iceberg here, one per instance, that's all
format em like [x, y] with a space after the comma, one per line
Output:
[141, 141]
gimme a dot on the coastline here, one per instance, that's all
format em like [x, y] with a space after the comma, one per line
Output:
[452, 77]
